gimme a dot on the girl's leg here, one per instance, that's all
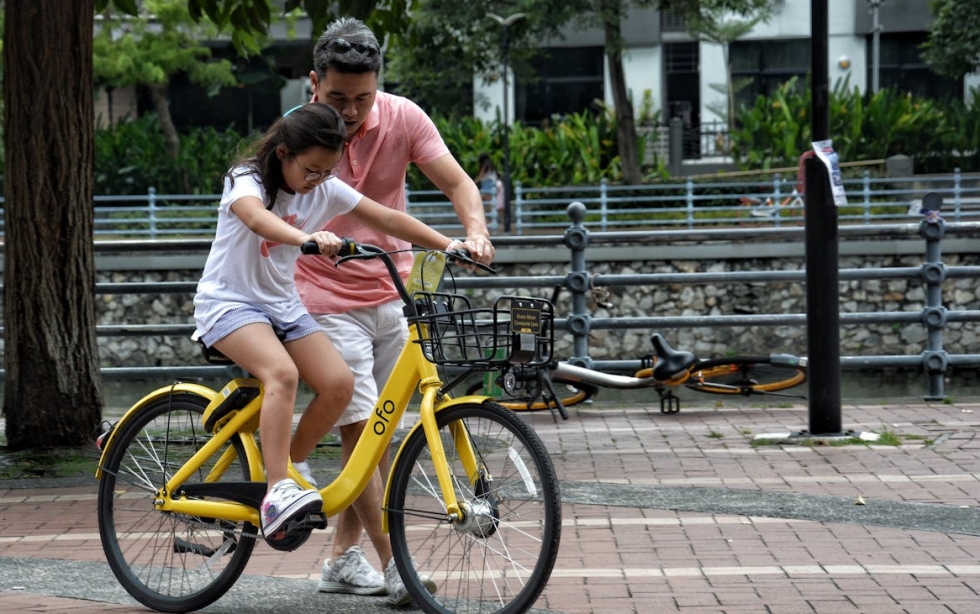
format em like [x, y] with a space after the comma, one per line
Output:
[324, 370]
[256, 349]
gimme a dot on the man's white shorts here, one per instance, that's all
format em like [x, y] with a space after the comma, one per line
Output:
[370, 339]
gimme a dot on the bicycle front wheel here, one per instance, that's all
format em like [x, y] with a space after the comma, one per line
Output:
[746, 375]
[498, 557]
[169, 562]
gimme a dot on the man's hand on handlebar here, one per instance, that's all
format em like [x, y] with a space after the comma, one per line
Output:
[480, 248]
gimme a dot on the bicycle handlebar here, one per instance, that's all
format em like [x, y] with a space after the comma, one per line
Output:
[347, 247]
[351, 250]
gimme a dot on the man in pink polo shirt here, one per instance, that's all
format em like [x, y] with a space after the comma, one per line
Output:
[357, 304]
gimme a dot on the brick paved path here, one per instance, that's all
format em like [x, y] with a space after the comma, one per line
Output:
[678, 513]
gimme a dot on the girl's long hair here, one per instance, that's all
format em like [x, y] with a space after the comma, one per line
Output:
[310, 125]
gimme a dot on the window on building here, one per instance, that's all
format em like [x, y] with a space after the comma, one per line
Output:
[566, 80]
[903, 68]
[766, 65]
[672, 21]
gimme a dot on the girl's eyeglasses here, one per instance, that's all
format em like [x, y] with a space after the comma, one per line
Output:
[342, 45]
[316, 176]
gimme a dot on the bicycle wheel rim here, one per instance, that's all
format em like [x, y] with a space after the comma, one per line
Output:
[500, 558]
[745, 375]
[167, 562]
[569, 393]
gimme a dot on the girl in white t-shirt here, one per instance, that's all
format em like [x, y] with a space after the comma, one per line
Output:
[247, 306]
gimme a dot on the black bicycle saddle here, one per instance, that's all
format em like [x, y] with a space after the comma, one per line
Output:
[669, 362]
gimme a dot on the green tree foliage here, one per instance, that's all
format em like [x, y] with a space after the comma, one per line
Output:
[151, 48]
[951, 48]
[714, 23]
[131, 157]
[448, 42]
[249, 19]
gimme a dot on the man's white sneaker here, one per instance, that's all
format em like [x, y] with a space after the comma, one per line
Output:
[351, 573]
[286, 501]
[398, 596]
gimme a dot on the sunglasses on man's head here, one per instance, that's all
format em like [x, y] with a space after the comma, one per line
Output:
[342, 45]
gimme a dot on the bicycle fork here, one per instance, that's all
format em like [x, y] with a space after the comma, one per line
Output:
[463, 448]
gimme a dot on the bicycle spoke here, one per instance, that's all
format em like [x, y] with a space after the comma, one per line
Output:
[499, 555]
[169, 562]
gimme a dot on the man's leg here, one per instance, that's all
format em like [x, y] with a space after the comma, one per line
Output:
[355, 336]
[390, 334]
[365, 513]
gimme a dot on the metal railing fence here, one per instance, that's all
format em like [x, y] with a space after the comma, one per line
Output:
[933, 359]
[688, 204]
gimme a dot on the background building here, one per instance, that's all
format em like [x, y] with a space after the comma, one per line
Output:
[682, 77]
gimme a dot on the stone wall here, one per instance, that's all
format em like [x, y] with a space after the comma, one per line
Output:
[635, 301]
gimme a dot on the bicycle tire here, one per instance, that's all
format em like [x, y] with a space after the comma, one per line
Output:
[570, 393]
[168, 562]
[499, 558]
[745, 375]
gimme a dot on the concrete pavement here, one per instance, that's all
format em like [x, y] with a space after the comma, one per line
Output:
[682, 513]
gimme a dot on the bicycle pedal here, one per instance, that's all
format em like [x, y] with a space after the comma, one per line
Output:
[296, 531]
[312, 520]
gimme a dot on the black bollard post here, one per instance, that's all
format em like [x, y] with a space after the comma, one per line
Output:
[578, 283]
[935, 360]
[822, 305]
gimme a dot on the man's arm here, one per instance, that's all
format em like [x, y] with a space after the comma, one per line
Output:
[447, 175]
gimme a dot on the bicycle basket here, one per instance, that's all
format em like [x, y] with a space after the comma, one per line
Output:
[515, 330]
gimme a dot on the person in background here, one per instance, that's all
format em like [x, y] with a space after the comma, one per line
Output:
[491, 188]
[358, 306]
[247, 306]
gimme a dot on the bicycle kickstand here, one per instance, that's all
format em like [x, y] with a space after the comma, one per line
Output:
[550, 397]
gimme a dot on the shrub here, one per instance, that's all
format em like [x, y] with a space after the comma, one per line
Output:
[940, 135]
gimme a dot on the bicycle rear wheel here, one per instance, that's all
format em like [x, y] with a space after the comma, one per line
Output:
[499, 556]
[169, 562]
[747, 375]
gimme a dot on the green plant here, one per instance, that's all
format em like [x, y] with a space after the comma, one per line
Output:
[131, 157]
[50, 463]
[885, 438]
[578, 149]
[939, 134]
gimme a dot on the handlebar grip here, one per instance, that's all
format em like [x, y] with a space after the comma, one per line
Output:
[462, 255]
[348, 247]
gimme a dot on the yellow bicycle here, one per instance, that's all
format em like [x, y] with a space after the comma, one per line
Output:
[472, 501]
[561, 384]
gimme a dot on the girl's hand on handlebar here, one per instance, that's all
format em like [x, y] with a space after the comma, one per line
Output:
[328, 243]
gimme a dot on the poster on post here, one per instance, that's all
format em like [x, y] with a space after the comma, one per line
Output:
[825, 151]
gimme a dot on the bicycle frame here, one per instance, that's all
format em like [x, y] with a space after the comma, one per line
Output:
[585, 375]
[412, 371]
[472, 487]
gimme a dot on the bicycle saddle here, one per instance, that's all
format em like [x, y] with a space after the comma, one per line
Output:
[669, 362]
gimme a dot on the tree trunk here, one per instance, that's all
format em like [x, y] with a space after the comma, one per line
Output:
[53, 391]
[158, 93]
[625, 124]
